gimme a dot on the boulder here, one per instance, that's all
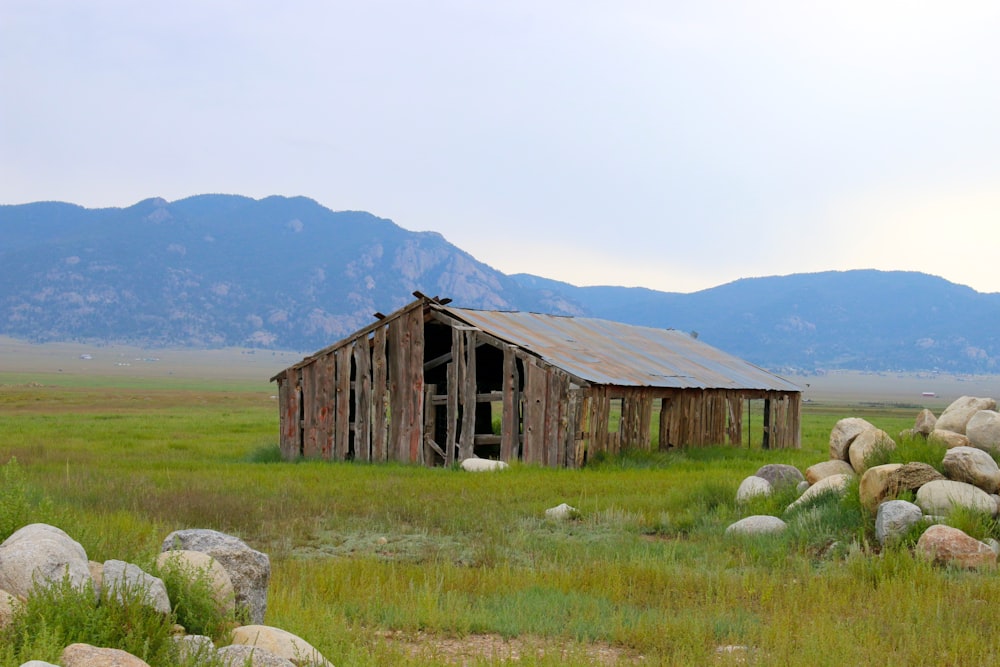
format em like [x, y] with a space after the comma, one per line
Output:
[191, 562]
[894, 518]
[249, 570]
[122, 580]
[870, 444]
[562, 512]
[875, 483]
[843, 434]
[947, 438]
[474, 464]
[37, 663]
[281, 643]
[753, 486]
[194, 649]
[940, 497]
[983, 430]
[42, 553]
[758, 524]
[910, 477]
[85, 655]
[950, 546]
[832, 484]
[249, 656]
[780, 475]
[818, 471]
[7, 605]
[974, 466]
[924, 423]
[957, 415]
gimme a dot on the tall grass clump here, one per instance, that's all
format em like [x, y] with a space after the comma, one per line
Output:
[197, 604]
[57, 615]
[20, 504]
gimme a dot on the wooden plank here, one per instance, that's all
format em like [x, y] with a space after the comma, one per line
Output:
[379, 432]
[342, 419]
[534, 403]
[362, 401]
[414, 322]
[469, 389]
[583, 438]
[551, 417]
[455, 373]
[398, 359]
[510, 422]
[430, 424]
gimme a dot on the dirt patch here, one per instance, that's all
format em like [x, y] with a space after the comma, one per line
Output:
[477, 647]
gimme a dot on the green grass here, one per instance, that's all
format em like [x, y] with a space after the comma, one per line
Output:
[385, 564]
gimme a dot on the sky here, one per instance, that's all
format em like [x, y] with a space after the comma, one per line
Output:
[670, 145]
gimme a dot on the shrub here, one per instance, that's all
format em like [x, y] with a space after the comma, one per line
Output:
[19, 503]
[193, 595]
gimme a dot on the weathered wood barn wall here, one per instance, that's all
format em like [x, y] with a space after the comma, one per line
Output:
[420, 386]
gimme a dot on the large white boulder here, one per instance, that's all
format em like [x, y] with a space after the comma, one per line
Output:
[949, 439]
[843, 434]
[876, 484]
[190, 563]
[832, 484]
[941, 497]
[281, 643]
[85, 655]
[951, 546]
[123, 580]
[974, 466]
[238, 655]
[818, 471]
[894, 518]
[44, 554]
[957, 415]
[983, 430]
[869, 444]
[248, 569]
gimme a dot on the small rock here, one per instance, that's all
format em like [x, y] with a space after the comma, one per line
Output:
[121, 578]
[562, 512]
[780, 475]
[947, 438]
[910, 477]
[925, 422]
[758, 524]
[752, 486]
[482, 465]
[875, 483]
[870, 444]
[250, 656]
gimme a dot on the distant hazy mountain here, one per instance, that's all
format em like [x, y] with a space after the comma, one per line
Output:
[862, 320]
[287, 273]
[218, 270]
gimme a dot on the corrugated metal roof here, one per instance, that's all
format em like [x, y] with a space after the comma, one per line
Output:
[612, 353]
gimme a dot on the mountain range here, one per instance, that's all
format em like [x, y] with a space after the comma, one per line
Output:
[288, 273]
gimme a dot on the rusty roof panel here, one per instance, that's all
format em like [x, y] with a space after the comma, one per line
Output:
[612, 353]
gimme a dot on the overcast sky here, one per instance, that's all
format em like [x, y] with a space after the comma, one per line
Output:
[674, 145]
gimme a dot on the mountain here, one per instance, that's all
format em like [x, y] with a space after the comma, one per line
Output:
[287, 273]
[218, 270]
[862, 320]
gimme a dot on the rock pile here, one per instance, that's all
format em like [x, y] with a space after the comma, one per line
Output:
[39, 555]
[969, 428]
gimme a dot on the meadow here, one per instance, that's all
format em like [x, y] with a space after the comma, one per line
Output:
[391, 564]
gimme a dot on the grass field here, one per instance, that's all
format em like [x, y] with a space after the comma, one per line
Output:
[392, 564]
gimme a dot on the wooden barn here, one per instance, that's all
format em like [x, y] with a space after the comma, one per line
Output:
[430, 383]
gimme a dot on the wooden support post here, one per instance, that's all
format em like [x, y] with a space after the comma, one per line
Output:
[379, 378]
[466, 444]
[510, 422]
[342, 417]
